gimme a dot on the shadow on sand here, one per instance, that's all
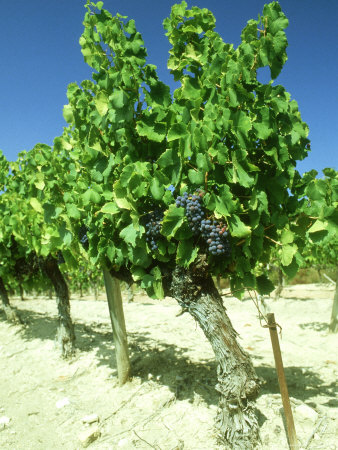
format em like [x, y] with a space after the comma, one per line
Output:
[169, 365]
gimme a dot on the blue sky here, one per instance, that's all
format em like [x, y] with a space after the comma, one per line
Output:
[40, 56]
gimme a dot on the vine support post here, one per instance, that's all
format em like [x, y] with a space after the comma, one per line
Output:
[115, 306]
[290, 426]
[333, 327]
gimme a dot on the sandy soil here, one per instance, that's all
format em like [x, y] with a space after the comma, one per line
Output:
[170, 402]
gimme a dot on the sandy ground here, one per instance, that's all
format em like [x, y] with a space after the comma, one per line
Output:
[170, 402]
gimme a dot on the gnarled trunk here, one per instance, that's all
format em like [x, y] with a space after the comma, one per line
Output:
[238, 384]
[11, 315]
[65, 336]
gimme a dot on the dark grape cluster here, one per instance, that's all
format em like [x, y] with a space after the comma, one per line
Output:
[83, 238]
[212, 232]
[216, 237]
[60, 258]
[193, 209]
[153, 228]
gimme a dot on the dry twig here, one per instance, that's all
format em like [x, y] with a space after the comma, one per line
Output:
[315, 431]
[143, 440]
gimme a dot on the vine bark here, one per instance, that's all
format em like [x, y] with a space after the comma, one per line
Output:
[238, 384]
[11, 315]
[65, 336]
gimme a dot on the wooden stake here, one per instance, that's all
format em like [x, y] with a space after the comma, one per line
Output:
[118, 324]
[290, 426]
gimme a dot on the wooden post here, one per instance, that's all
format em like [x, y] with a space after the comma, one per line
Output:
[334, 314]
[290, 426]
[114, 298]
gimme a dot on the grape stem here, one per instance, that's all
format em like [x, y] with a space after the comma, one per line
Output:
[275, 242]
[192, 167]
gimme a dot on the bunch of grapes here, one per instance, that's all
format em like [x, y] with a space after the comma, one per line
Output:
[212, 232]
[153, 228]
[83, 238]
[216, 237]
[192, 203]
[60, 258]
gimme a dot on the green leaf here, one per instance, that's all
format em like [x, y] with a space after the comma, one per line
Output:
[66, 237]
[139, 256]
[157, 189]
[68, 114]
[263, 127]
[130, 27]
[73, 212]
[177, 131]
[40, 184]
[329, 172]
[240, 175]
[186, 252]
[172, 221]
[90, 196]
[159, 94]
[292, 269]
[264, 285]
[191, 89]
[51, 212]
[148, 127]
[319, 225]
[122, 203]
[179, 9]
[241, 126]
[203, 162]
[119, 99]
[196, 177]
[237, 227]
[34, 202]
[101, 103]
[129, 234]
[288, 252]
[287, 237]
[110, 208]
[221, 207]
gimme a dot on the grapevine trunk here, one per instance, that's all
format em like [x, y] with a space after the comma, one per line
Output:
[238, 384]
[65, 336]
[11, 315]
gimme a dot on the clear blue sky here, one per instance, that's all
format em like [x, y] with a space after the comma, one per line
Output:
[40, 56]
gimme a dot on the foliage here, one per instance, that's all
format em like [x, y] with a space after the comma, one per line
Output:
[221, 131]
[321, 205]
[132, 148]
